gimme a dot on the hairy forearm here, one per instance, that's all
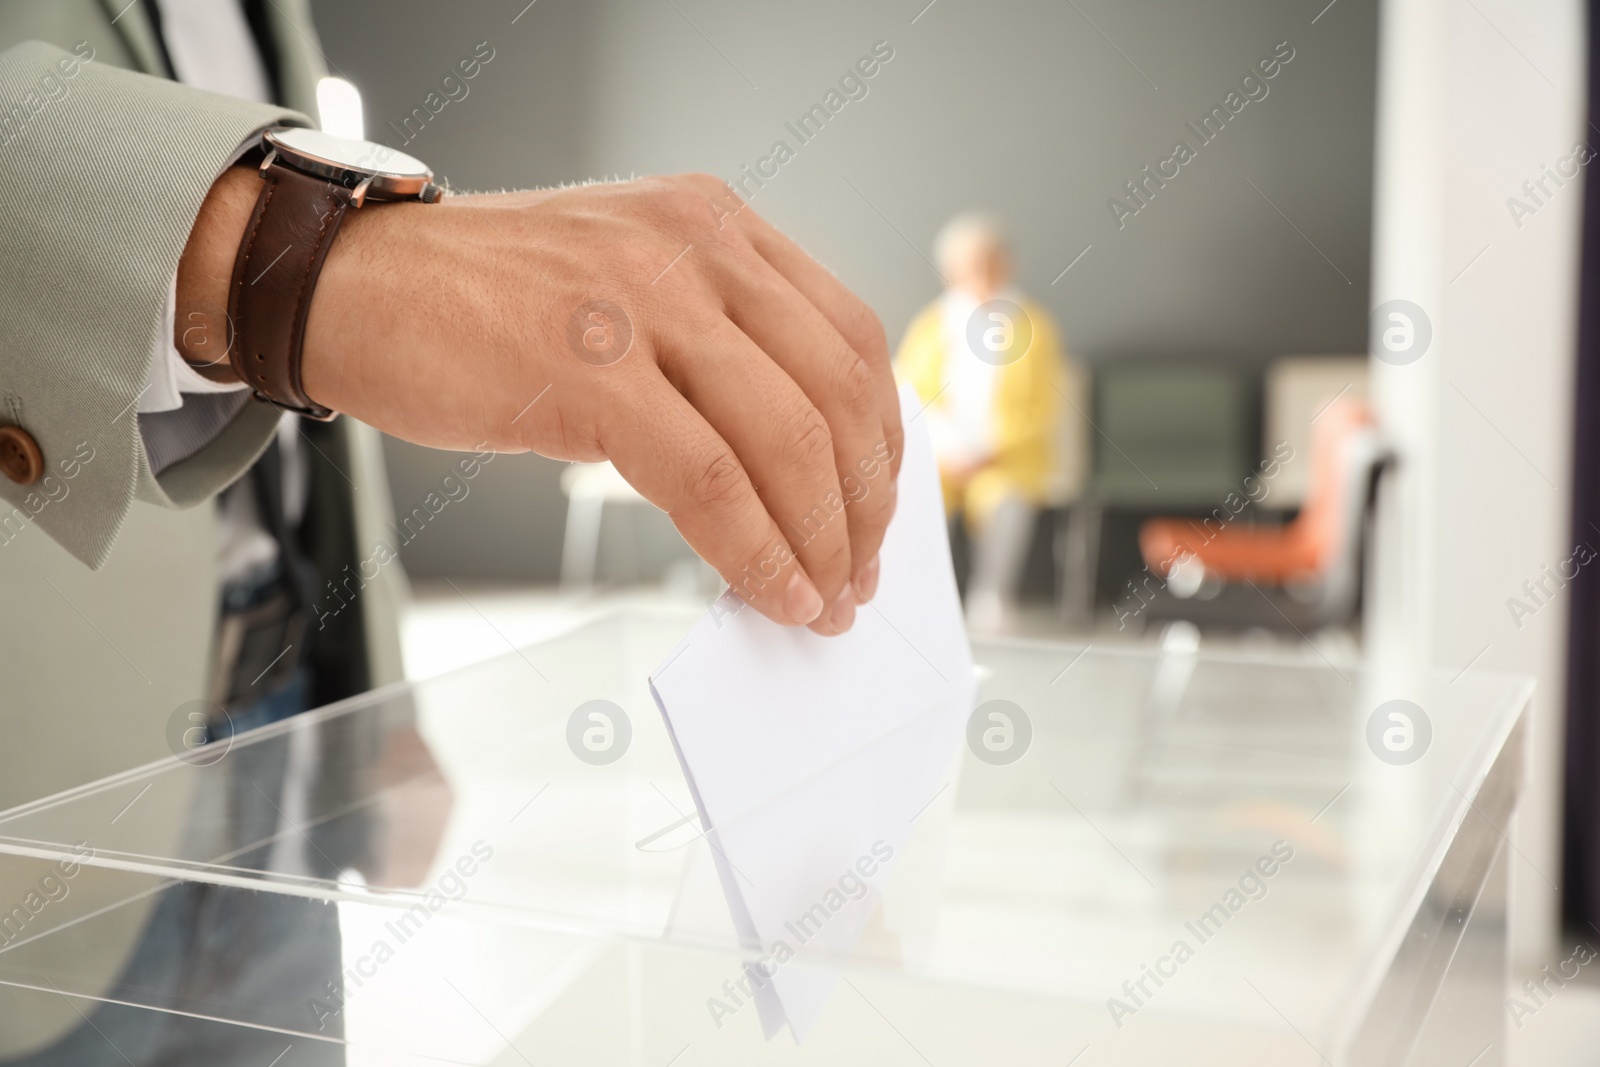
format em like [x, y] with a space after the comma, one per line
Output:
[659, 323]
[335, 331]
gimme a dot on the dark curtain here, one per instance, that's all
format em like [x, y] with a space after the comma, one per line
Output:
[1581, 825]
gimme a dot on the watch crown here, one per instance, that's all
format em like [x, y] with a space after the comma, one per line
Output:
[431, 193]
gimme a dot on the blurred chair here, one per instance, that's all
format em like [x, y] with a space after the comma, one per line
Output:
[1306, 572]
[1174, 432]
[1076, 533]
[1297, 388]
[1166, 434]
[589, 488]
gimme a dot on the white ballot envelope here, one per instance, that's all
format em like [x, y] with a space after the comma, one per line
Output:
[810, 758]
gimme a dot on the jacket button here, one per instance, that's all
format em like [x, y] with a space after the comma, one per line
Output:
[20, 458]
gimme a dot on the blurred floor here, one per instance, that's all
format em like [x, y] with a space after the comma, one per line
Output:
[451, 623]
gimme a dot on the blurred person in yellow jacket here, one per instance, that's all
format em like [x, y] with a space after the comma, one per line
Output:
[987, 363]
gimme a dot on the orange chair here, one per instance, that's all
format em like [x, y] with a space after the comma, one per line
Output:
[1306, 550]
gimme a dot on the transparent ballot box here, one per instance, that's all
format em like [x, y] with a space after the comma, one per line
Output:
[1137, 857]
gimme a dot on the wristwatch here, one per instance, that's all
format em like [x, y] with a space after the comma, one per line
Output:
[309, 180]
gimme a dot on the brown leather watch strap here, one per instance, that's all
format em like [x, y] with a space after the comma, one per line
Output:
[290, 231]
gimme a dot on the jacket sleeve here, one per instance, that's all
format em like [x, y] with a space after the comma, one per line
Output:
[104, 172]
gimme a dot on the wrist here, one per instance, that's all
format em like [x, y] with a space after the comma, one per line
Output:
[352, 307]
[201, 330]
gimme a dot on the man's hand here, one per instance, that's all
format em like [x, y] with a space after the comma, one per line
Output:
[660, 324]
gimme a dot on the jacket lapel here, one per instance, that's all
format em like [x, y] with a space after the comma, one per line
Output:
[300, 58]
[132, 21]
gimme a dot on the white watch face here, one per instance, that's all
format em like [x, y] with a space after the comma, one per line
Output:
[363, 156]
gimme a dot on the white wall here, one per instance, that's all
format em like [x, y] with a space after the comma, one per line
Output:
[1473, 99]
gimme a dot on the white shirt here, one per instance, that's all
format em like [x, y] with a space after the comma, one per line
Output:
[962, 422]
[211, 47]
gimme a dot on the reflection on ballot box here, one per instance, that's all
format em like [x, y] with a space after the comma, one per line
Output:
[495, 888]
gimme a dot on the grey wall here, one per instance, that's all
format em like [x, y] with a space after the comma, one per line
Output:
[520, 124]
[1022, 107]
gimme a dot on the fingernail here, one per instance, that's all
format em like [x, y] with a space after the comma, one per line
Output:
[801, 601]
[844, 611]
[866, 582]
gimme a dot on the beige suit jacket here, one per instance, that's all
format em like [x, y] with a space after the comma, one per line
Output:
[107, 579]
